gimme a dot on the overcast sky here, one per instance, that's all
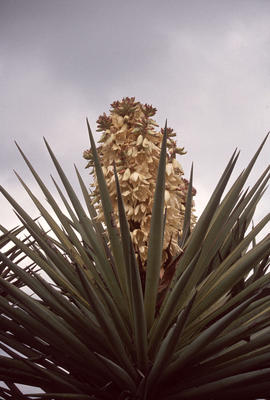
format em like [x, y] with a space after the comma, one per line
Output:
[205, 65]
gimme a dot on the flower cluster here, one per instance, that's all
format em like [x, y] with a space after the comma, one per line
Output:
[131, 139]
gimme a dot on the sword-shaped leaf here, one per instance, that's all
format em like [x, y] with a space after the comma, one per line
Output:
[155, 242]
[109, 217]
[133, 285]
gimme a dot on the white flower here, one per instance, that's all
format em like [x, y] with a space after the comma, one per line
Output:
[134, 144]
[167, 196]
[169, 169]
[139, 140]
[126, 175]
[134, 176]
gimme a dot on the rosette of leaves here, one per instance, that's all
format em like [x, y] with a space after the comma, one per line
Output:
[84, 326]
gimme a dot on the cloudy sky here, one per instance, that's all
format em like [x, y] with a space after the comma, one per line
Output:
[205, 65]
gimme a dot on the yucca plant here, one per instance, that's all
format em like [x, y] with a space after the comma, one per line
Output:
[93, 310]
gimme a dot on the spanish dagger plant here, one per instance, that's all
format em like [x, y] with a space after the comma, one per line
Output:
[128, 296]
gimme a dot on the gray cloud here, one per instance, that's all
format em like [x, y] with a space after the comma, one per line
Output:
[204, 65]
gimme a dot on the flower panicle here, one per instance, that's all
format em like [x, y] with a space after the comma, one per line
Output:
[130, 138]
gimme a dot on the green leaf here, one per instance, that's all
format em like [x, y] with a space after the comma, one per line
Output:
[108, 325]
[188, 208]
[216, 388]
[203, 339]
[231, 276]
[45, 316]
[64, 240]
[232, 337]
[122, 378]
[193, 245]
[222, 225]
[91, 209]
[109, 216]
[168, 346]
[167, 311]
[98, 253]
[155, 243]
[55, 273]
[133, 285]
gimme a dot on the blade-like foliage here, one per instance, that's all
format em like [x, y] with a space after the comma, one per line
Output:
[155, 239]
[78, 321]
